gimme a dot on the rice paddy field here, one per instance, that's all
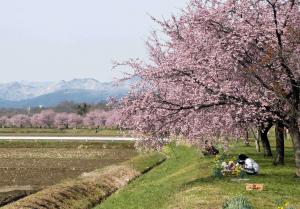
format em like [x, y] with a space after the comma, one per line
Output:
[27, 167]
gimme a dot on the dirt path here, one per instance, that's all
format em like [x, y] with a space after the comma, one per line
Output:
[14, 188]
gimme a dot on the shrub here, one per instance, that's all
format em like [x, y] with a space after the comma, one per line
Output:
[283, 204]
[217, 168]
[238, 202]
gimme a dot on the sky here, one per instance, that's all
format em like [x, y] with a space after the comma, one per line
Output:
[51, 40]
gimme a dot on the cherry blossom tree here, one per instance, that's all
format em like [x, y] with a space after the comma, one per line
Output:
[50, 119]
[89, 119]
[101, 118]
[20, 121]
[95, 119]
[113, 118]
[36, 121]
[224, 65]
[61, 120]
[74, 120]
[44, 119]
[3, 121]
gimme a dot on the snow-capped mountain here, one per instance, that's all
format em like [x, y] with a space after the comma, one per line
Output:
[24, 93]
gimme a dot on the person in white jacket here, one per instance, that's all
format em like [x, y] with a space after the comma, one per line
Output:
[248, 164]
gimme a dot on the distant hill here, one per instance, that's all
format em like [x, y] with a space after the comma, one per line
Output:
[25, 94]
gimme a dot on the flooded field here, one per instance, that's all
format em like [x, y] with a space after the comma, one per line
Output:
[26, 167]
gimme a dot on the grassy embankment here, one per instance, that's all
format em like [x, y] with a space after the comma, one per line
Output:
[185, 180]
[59, 132]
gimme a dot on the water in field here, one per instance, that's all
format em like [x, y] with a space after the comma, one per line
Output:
[27, 167]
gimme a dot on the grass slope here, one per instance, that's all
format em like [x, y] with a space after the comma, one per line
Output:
[184, 181]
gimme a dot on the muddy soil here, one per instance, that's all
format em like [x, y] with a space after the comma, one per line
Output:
[26, 170]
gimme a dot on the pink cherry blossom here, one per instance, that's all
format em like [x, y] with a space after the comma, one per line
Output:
[74, 120]
[113, 118]
[3, 121]
[20, 121]
[222, 66]
[45, 119]
[61, 120]
[95, 119]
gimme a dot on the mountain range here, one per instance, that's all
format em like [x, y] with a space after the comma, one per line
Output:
[32, 94]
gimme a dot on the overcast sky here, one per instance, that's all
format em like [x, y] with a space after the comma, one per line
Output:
[50, 40]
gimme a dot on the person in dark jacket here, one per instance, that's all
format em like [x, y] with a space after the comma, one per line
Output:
[210, 149]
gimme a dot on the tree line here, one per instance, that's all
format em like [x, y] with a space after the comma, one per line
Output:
[62, 120]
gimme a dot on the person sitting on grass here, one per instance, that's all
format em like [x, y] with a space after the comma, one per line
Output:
[209, 149]
[248, 164]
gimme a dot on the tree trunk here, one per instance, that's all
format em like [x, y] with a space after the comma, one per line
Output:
[279, 133]
[266, 144]
[246, 138]
[265, 140]
[257, 145]
[285, 133]
[226, 144]
[256, 138]
[295, 135]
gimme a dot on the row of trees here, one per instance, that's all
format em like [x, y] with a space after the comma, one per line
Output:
[222, 67]
[65, 106]
[51, 119]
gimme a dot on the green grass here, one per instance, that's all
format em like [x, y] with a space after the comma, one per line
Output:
[144, 162]
[184, 181]
[67, 144]
[59, 132]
